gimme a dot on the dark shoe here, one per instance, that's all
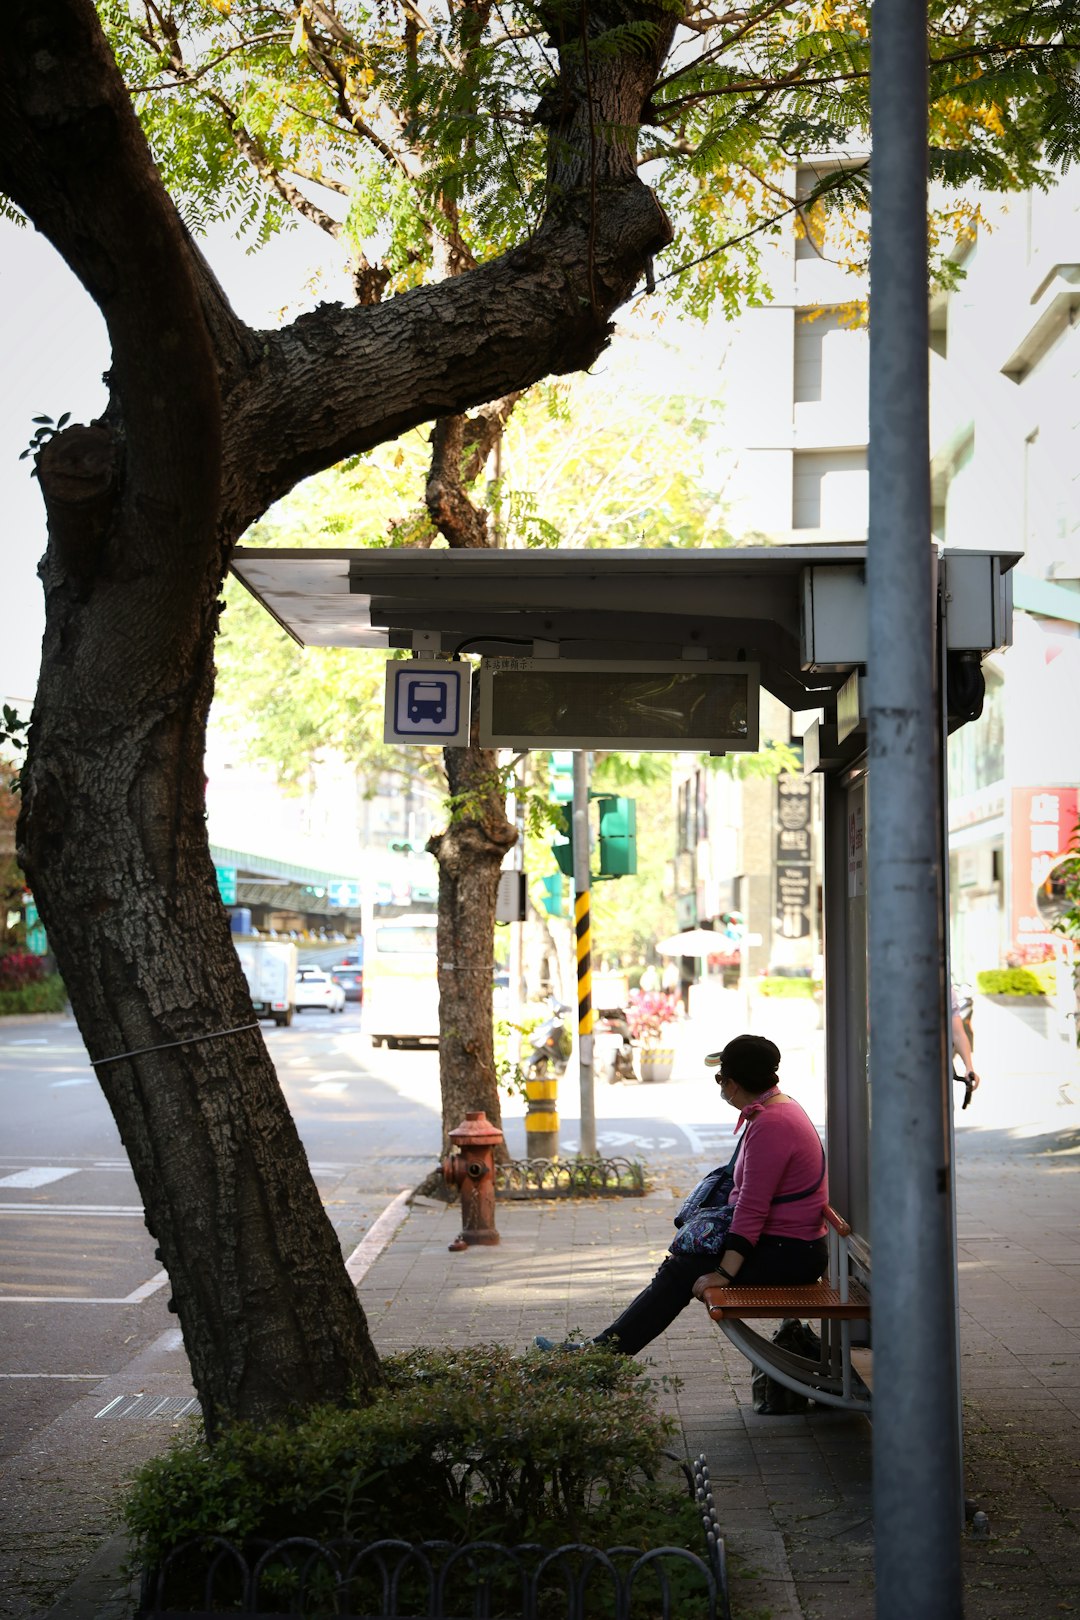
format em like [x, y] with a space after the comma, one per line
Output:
[549, 1344]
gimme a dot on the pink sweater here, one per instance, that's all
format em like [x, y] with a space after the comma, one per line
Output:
[781, 1154]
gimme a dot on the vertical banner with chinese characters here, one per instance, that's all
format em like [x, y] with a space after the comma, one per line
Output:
[794, 885]
[1043, 824]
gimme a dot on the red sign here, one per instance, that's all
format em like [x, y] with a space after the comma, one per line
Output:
[1043, 827]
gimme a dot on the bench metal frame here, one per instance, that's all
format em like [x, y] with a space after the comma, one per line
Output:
[834, 1304]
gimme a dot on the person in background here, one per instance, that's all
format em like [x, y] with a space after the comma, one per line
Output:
[961, 1044]
[776, 1231]
[650, 979]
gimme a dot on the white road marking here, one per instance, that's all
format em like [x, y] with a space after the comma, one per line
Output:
[378, 1235]
[33, 1041]
[39, 1176]
[136, 1297]
[145, 1289]
[697, 1147]
[96, 1377]
[72, 1209]
[75, 1160]
[78, 1080]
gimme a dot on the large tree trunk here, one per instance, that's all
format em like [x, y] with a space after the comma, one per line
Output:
[114, 838]
[471, 850]
[208, 423]
[470, 854]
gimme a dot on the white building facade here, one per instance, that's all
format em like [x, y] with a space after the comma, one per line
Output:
[1005, 380]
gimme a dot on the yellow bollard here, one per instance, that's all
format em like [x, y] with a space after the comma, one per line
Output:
[542, 1118]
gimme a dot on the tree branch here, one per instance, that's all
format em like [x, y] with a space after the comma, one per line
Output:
[73, 156]
[435, 350]
[459, 448]
[766, 86]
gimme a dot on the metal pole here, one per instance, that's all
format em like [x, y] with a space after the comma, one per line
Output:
[916, 1420]
[516, 810]
[949, 1085]
[583, 944]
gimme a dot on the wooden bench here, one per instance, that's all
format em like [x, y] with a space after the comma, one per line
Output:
[836, 1301]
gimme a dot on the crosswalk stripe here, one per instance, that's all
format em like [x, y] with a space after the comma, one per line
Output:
[38, 1175]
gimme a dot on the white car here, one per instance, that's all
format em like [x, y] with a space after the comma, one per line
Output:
[317, 989]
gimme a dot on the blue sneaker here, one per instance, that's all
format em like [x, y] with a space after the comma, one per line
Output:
[549, 1344]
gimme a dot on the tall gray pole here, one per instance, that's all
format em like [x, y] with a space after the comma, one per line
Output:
[583, 953]
[917, 1491]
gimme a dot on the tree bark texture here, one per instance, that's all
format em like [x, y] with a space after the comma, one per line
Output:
[470, 852]
[209, 422]
[470, 855]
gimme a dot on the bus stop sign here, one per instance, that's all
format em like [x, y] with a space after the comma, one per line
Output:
[427, 701]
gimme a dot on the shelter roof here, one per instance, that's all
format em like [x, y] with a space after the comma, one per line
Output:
[734, 602]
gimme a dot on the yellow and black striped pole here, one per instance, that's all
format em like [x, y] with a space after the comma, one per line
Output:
[542, 1115]
[583, 948]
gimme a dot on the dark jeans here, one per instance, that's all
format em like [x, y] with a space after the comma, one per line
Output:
[775, 1260]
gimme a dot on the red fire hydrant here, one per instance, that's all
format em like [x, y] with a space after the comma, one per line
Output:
[472, 1170]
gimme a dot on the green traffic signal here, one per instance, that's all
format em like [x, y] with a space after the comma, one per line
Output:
[617, 842]
[618, 836]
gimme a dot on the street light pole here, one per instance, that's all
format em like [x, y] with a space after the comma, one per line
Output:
[917, 1488]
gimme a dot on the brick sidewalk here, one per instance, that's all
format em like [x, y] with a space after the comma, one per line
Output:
[792, 1494]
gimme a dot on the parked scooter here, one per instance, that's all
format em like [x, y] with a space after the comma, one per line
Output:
[613, 1050]
[550, 1043]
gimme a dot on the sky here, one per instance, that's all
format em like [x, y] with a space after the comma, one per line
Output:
[54, 351]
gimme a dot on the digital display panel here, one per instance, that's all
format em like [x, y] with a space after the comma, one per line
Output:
[572, 703]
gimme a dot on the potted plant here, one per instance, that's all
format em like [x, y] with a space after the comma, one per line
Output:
[650, 1014]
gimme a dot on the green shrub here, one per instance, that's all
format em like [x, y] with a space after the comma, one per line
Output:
[1037, 980]
[456, 1445]
[511, 1076]
[780, 985]
[47, 995]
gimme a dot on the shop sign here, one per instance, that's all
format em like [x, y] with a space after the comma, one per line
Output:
[794, 883]
[856, 852]
[1043, 826]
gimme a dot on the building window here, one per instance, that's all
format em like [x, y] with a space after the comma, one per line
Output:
[812, 227]
[829, 490]
[831, 358]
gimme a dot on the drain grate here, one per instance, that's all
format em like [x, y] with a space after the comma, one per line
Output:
[170, 1407]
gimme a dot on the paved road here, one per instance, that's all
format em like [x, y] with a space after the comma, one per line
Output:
[80, 1290]
[81, 1293]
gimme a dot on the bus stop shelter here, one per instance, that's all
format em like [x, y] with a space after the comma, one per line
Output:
[800, 614]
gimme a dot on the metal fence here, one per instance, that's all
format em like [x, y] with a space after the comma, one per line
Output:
[570, 1178]
[437, 1580]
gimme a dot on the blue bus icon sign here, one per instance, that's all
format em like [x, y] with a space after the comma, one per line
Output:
[427, 702]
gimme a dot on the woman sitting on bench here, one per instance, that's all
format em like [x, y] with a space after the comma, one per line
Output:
[757, 1221]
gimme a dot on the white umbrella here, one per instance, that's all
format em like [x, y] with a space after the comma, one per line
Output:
[697, 942]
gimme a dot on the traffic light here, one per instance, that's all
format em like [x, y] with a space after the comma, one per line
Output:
[562, 847]
[561, 767]
[552, 896]
[618, 836]
[732, 925]
[617, 841]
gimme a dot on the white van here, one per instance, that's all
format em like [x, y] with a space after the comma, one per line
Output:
[401, 987]
[270, 970]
